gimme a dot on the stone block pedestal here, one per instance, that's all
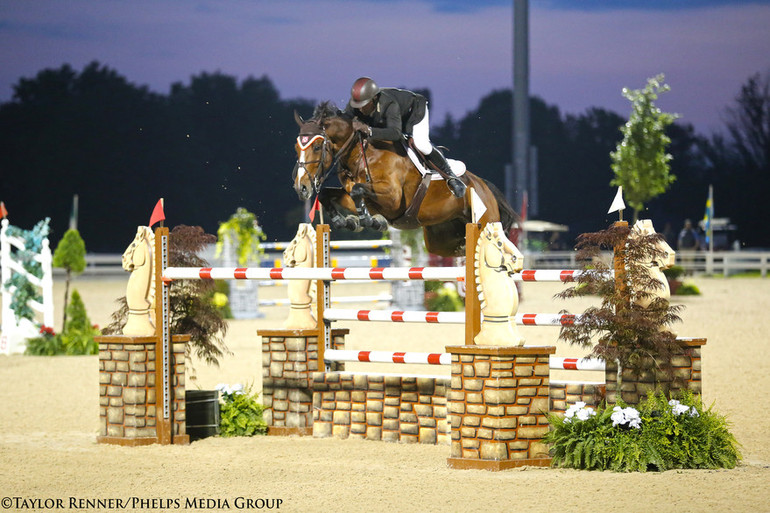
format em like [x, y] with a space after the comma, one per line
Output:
[128, 391]
[498, 405]
[686, 375]
[289, 358]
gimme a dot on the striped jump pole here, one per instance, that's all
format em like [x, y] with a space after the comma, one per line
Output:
[523, 319]
[315, 273]
[387, 298]
[588, 364]
[346, 355]
[340, 244]
[353, 273]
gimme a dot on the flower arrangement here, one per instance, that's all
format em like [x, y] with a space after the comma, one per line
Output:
[659, 435]
[239, 412]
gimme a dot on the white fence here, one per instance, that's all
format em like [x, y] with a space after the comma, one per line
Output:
[15, 333]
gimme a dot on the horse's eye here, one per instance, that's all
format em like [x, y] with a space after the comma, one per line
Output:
[317, 147]
[500, 244]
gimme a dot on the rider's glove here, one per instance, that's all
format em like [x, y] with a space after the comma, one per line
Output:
[362, 127]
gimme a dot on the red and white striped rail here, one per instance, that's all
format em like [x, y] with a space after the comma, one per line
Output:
[523, 319]
[346, 355]
[340, 244]
[386, 298]
[349, 355]
[554, 274]
[588, 364]
[314, 273]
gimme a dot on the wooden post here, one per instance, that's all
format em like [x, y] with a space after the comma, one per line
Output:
[619, 261]
[164, 356]
[323, 300]
[472, 306]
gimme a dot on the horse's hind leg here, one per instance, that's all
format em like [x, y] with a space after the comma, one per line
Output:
[340, 207]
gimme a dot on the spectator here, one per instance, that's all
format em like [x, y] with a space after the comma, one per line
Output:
[688, 238]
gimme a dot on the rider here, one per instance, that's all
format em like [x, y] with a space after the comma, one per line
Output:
[387, 114]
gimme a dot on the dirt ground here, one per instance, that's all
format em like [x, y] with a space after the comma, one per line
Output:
[49, 422]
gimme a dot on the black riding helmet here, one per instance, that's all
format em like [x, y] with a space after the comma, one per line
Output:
[363, 91]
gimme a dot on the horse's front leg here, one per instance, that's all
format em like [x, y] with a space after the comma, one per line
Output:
[341, 209]
[360, 193]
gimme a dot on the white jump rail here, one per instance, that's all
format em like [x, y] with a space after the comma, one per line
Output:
[340, 244]
[384, 298]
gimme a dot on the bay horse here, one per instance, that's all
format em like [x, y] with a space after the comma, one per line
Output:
[380, 183]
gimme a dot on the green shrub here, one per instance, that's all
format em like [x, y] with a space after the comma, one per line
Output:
[687, 289]
[674, 272]
[78, 334]
[239, 412]
[47, 344]
[660, 435]
[444, 299]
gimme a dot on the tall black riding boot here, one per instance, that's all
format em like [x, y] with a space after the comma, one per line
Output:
[453, 182]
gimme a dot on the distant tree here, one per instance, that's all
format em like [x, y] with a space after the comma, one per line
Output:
[749, 124]
[70, 254]
[640, 161]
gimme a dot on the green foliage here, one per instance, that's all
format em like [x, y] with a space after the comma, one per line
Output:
[78, 335]
[672, 434]
[439, 298]
[219, 298]
[47, 344]
[76, 339]
[245, 235]
[27, 257]
[640, 161]
[240, 414]
[70, 253]
[687, 289]
[674, 272]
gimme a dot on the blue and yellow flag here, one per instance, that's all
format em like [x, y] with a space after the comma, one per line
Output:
[709, 215]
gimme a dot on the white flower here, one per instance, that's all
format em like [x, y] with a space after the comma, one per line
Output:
[694, 412]
[678, 408]
[626, 417]
[226, 389]
[578, 410]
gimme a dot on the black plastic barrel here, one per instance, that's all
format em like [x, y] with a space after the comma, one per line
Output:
[202, 413]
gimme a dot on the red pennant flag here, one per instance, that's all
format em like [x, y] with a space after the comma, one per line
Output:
[315, 208]
[3, 211]
[157, 213]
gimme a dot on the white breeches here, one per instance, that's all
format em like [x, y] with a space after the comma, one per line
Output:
[421, 134]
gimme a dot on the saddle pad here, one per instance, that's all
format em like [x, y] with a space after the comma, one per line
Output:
[458, 166]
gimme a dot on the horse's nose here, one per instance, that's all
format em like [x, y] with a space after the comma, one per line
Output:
[303, 192]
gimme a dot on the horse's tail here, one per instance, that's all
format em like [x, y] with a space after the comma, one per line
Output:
[508, 216]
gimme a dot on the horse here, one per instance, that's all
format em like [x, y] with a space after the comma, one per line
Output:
[140, 290]
[496, 259]
[381, 185]
[301, 253]
[662, 257]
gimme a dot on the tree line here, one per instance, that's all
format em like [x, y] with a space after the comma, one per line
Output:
[215, 144]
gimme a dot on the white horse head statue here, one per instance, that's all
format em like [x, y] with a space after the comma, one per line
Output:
[497, 259]
[301, 253]
[140, 291]
[666, 258]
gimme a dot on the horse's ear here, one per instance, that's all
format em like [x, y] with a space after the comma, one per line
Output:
[298, 118]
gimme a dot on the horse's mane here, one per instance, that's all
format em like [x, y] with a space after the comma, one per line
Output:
[328, 109]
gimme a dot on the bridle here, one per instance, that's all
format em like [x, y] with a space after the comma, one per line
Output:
[305, 141]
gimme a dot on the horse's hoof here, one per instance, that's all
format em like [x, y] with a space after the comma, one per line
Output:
[379, 223]
[352, 223]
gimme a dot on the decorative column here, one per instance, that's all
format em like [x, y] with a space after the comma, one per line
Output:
[498, 406]
[289, 358]
[686, 375]
[128, 409]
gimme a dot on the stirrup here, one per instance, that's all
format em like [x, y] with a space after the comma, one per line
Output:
[457, 186]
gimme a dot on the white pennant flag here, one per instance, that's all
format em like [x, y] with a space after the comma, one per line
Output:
[477, 206]
[617, 203]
